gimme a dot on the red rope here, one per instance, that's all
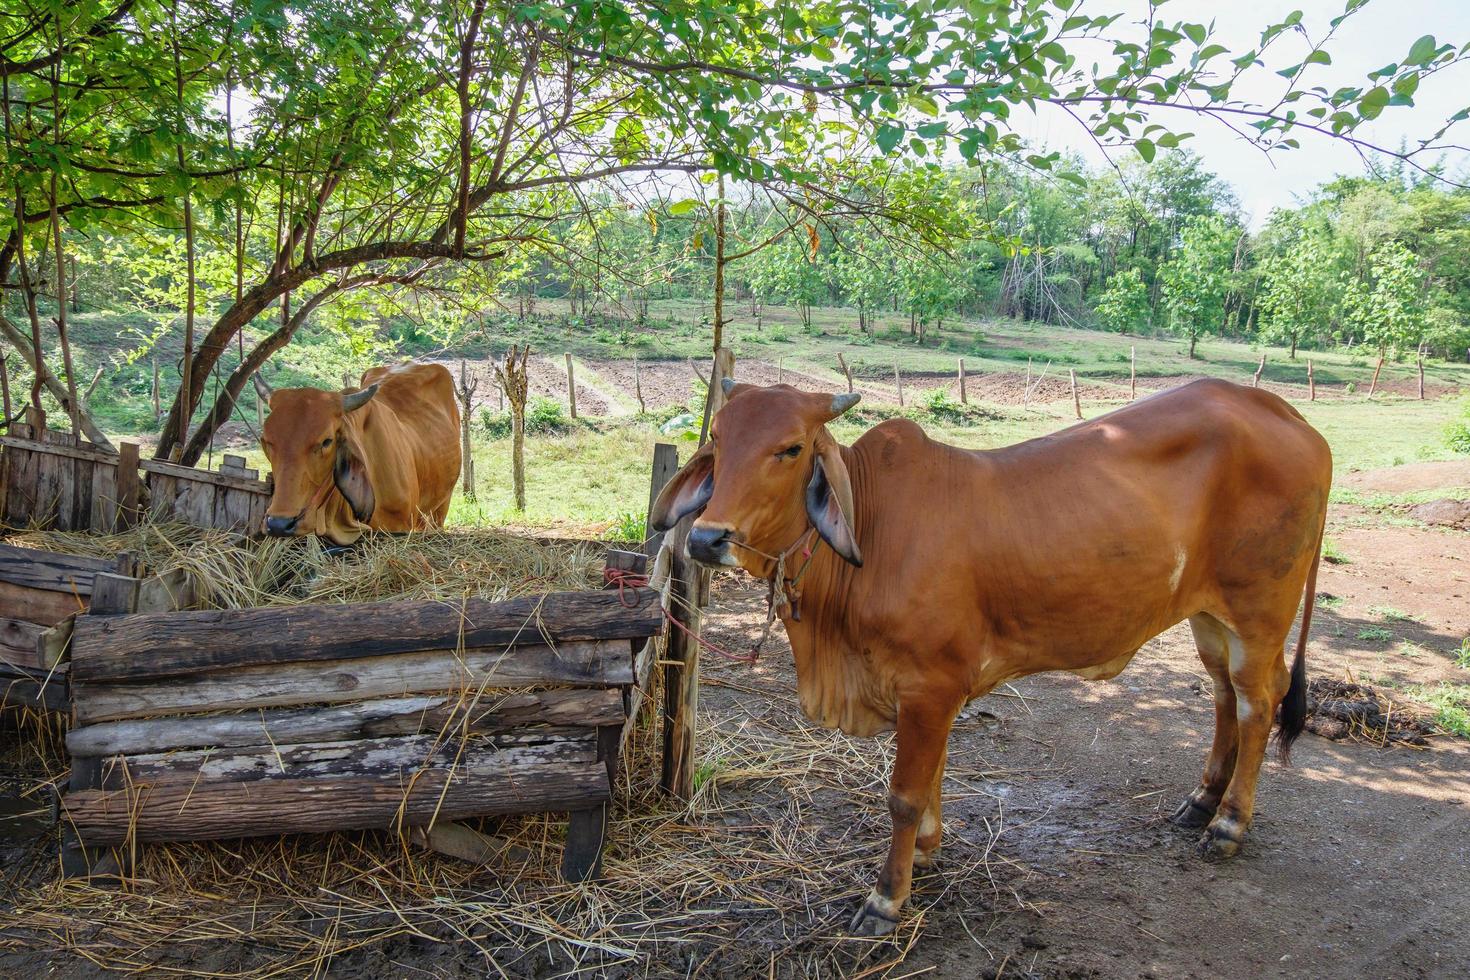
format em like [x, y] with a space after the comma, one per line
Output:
[626, 580]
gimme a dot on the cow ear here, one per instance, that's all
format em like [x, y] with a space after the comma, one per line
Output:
[688, 491]
[829, 500]
[351, 476]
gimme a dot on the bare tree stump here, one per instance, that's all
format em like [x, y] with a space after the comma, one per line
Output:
[511, 375]
[465, 391]
[847, 371]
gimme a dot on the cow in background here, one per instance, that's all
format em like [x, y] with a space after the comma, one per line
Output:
[385, 457]
[913, 577]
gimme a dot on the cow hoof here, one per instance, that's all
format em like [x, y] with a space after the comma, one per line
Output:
[1221, 840]
[1191, 814]
[877, 917]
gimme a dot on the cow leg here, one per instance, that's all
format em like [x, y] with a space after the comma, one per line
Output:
[1212, 640]
[931, 824]
[1259, 675]
[923, 733]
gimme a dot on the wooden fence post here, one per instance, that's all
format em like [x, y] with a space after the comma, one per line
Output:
[781, 367]
[5, 386]
[638, 387]
[681, 669]
[1311, 382]
[1256, 380]
[898, 380]
[571, 386]
[1132, 372]
[466, 394]
[129, 511]
[1421, 375]
[665, 465]
[842, 363]
[1378, 367]
[157, 405]
[964, 392]
[721, 368]
[1076, 399]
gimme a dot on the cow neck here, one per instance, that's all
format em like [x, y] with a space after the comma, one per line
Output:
[337, 519]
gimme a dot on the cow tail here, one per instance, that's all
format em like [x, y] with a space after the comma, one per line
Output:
[1292, 716]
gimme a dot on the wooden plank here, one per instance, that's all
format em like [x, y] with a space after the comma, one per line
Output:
[189, 474]
[31, 645]
[50, 570]
[493, 711]
[102, 515]
[38, 691]
[582, 857]
[85, 450]
[20, 642]
[287, 806]
[172, 591]
[113, 595]
[681, 672]
[396, 757]
[665, 465]
[38, 605]
[585, 664]
[175, 644]
[128, 509]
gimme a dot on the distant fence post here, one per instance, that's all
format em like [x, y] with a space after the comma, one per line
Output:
[1132, 372]
[1256, 380]
[1421, 375]
[964, 392]
[638, 387]
[1311, 382]
[1076, 399]
[847, 371]
[571, 387]
[898, 380]
[1374, 386]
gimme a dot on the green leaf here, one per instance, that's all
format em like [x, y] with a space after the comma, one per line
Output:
[1318, 57]
[888, 137]
[1423, 51]
[1196, 32]
[1145, 148]
[680, 208]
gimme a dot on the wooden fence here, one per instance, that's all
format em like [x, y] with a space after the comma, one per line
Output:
[336, 717]
[41, 594]
[51, 480]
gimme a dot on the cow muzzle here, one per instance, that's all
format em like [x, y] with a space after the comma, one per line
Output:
[281, 527]
[710, 545]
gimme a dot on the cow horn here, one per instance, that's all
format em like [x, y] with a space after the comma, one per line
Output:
[262, 390]
[728, 384]
[355, 400]
[841, 403]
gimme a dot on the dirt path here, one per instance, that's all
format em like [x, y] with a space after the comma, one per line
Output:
[1358, 863]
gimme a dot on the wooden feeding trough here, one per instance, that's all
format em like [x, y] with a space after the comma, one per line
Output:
[41, 593]
[236, 723]
[233, 499]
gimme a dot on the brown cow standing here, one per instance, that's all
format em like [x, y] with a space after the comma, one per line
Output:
[949, 571]
[384, 457]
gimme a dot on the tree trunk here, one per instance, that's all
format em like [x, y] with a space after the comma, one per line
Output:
[1193, 339]
[719, 338]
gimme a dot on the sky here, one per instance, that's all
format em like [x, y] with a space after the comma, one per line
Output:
[1377, 35]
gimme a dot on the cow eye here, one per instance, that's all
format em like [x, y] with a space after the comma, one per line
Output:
[326, 442]
[790, 452]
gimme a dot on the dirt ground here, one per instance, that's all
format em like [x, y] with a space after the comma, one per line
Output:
[1058, 861]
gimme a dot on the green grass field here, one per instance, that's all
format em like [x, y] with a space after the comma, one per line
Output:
[594, 478]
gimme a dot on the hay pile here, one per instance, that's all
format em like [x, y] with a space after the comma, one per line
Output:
[756, 876]
[232, 573]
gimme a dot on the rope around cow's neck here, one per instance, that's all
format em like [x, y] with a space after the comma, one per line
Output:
[781, 594]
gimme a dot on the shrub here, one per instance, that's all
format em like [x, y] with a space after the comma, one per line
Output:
[627, 526]
[544, 417]
[1457, 433]
[779, 335]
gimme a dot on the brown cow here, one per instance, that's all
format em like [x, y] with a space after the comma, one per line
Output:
[948, 571]
[384, 457]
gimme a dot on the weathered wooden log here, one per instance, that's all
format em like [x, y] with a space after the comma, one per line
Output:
[400, 757]
[491, 712]
[50, 570]
[231, 480]
[26, 644]
[479, 786]
[596, 663]
[41, 606]
[38, 690]
[176, 644]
